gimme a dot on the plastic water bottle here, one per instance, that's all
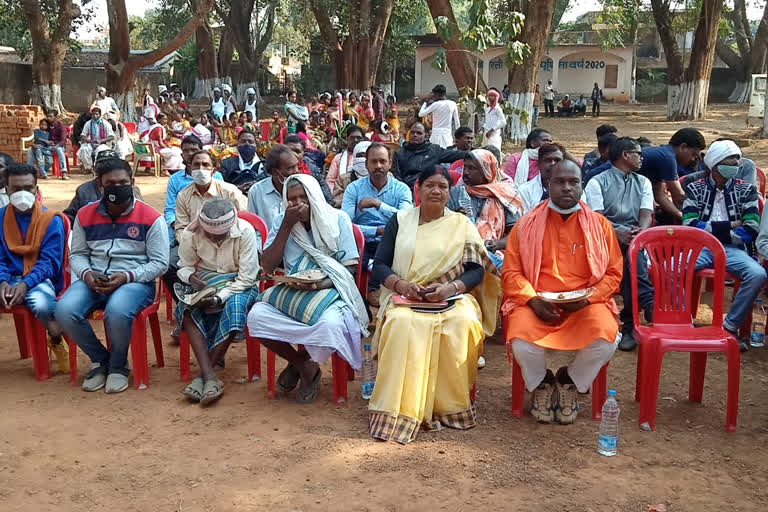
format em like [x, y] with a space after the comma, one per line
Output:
[609, 426]
[757, 336]
[369, 372]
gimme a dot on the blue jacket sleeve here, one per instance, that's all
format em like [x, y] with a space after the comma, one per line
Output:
[170, 202]
[49, 262]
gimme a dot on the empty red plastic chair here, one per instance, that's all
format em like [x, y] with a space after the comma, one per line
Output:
[672, 252]
[342, 372]
[599, 385]
[253, 347]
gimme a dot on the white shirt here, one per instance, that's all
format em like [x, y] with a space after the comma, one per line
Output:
[251, 107]
[549, 92]
[494, 119]
[107, 106]
[445, 114]
[719, 211]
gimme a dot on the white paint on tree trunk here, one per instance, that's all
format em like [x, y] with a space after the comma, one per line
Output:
[224, 80]
[516, 129]
[240, 94]
[687, 101]
[204, 87]
[49, 96]
[127, 105]
[741, 93]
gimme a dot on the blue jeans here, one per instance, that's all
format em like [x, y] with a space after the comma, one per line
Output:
[120, 310]
[41, 300]
[535, 116]
[644, 288]
[752, 277]
[42, 156]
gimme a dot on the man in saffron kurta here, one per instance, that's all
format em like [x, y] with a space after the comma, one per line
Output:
[562, 245]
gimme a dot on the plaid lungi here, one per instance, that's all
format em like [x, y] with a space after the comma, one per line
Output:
[219, 326]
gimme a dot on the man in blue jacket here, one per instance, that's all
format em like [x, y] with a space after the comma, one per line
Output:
[119, 248]
[31, 255]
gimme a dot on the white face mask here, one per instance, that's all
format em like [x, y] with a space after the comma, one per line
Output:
[23, 200]
[562, 211]
[358, 165]
[202, 176]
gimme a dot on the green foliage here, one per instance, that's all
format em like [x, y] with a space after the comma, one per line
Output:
[159, 25]
[14, 28]
[621, 21]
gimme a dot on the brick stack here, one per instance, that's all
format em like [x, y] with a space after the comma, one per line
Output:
[17, 121]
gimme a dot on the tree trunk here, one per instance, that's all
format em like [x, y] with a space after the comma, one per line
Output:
[689, 87]
[49, 48]
[456, 56]
[122, 66]
[522, 78]
[207, 71]
[226, 54]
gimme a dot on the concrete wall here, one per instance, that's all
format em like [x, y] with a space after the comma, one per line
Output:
[78, 85]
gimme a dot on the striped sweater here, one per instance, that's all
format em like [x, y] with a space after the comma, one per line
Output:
[741, 202]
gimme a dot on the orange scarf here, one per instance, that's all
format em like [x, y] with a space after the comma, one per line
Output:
[37, 228]
[531, 235]
[503, 195]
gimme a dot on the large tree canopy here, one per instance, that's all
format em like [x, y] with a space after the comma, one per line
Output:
[743, 52]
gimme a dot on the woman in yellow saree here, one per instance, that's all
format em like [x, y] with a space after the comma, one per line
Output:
[428, 361]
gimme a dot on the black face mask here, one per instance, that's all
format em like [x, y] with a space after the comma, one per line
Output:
[118, 194]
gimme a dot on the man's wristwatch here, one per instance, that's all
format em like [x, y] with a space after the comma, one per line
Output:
[218, 300]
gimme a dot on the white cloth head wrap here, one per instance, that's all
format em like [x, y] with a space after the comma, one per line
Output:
[217, 89]
[360, 147]
[250, 90]
[226, 87]
[161, 89]
[324, 225]
[719, 151]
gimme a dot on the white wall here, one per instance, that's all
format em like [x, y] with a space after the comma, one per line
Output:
[577, 68]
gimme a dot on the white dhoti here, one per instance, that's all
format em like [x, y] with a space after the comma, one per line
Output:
[337, 331]
[85, 155]
[442, 137]
[582, 370]
[494, 140]
[172, 159]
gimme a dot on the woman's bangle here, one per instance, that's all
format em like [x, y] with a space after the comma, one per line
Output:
[456, 286]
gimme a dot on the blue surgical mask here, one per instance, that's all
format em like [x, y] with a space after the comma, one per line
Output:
[728, 171]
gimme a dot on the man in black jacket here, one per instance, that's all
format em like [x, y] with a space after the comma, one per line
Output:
[419, 154]
[245, 169]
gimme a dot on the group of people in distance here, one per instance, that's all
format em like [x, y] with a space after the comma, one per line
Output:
[455, 235]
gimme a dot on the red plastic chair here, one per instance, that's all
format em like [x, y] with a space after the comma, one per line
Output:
[455, 175]
[673, 251]
[707, 274]
[599, 385]
[30, 332]
[761, 181]
[252, 345]
[341, 370]
[139, 358]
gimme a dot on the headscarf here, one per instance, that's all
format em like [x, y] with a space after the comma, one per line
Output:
[501, 193]
[522, 169]
[250, 90]
[493, 98]
[161, 89]
[217, 88]
[226, 88]
[324, 225]
[358, 163]
[719, 151]
[101, 89]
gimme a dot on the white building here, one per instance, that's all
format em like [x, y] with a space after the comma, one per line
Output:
[572, 67]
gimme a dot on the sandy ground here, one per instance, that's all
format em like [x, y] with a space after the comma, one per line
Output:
[62, 449]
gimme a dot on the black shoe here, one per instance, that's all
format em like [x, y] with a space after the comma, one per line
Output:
[628, 342]
[743, 345]
[648, 313]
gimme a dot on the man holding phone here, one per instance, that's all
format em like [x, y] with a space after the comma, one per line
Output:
[31, 254]
[119, 248]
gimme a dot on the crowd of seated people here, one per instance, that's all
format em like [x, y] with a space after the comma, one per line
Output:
[458, 230]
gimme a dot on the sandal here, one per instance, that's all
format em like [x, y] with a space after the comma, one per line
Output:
[308, 394]
[195, 389]
[288, 378]
[212, 391]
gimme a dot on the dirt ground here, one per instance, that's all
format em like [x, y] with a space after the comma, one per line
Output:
[62, 449]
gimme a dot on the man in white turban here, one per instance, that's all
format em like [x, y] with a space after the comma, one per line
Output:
[106, 104]
[728, 209]
[229, 100]
[252, 104]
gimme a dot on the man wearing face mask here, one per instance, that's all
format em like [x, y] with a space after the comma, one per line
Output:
[119, 248]
[728, 209]
[374, 198]
[265, 198]
[561, 246]
[181, 180]
[357, 171]
[342, 162]
[245, 169]
[91, 191]
[31, 256]
[191, 199]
